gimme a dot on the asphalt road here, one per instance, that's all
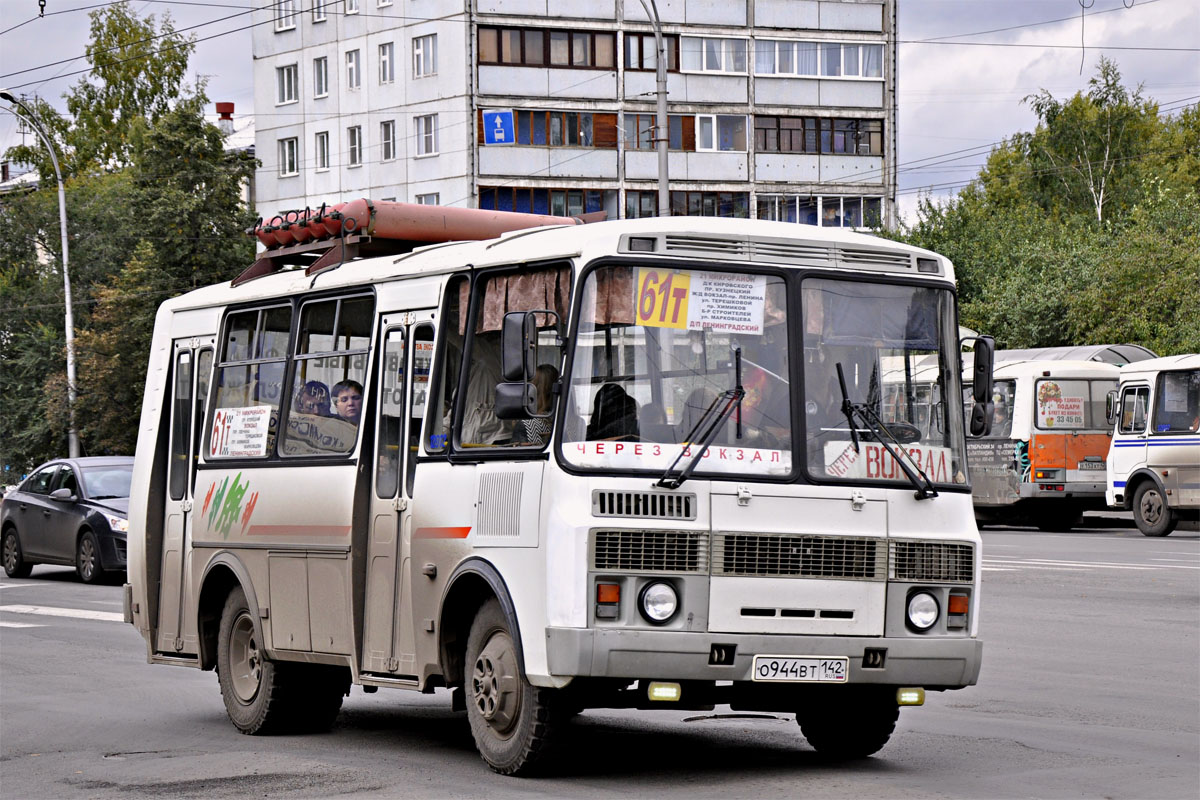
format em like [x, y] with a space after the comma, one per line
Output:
[1090, 688]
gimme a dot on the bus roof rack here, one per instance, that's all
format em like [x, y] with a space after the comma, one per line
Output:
[326, 237]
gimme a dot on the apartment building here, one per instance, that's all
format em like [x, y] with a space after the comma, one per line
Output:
[778, 109]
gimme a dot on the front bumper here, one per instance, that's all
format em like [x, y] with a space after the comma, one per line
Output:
[946, 663]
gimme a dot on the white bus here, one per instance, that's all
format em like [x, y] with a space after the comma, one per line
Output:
[634, 464]
[1153, 467]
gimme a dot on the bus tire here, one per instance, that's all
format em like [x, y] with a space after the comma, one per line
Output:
[851, 728]
[1058, 519]
[1150, 511]
[255, 690]
[511, 720]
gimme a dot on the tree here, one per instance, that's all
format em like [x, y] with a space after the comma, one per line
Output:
[1088, 147]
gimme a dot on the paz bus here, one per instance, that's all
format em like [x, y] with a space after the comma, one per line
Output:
[1153, 467]
[635, 464]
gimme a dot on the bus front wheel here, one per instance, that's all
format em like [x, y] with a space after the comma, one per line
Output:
[511, 720]
[852, 727]
[1150, 511]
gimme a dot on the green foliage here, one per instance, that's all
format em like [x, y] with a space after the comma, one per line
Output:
[156, 212]
[1084, 231]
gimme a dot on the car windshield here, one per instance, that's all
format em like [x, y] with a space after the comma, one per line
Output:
[101, 483]
[893, 345]
[656, 348]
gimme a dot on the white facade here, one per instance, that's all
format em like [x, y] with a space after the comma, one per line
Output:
[786, 108]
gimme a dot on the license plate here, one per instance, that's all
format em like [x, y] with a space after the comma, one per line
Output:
[800, 669]
[1096, 465]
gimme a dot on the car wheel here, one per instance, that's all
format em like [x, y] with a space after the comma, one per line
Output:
[1150, 511]
[511, 720]
[87, 559]
[15, 565]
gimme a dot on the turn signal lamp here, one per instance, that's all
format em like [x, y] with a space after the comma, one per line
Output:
[608, 593]
[668, 692]
[958, 604]
[914, 696]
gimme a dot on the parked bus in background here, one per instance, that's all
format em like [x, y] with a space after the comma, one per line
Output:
[1153, 467]
[1043, 462]
[636, 464]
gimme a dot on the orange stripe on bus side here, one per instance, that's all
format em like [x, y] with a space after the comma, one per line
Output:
[441, 533]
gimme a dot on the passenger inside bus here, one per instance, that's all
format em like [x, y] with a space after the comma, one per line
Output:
[347, 397]
[614, 414]
[313, 398]
[537, 430]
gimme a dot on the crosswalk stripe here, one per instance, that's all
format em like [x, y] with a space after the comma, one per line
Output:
[75, 613]
[20, 625]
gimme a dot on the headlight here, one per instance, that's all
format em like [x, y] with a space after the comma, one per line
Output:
[659, 602]
[922, 611]
[118, 524]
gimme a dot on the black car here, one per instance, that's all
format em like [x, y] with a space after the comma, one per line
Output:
[72, 511]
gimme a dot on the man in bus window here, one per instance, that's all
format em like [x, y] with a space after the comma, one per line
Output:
[347, 400]
[313, 398]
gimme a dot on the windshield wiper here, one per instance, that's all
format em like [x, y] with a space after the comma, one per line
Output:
[871, 421]
[707, 428]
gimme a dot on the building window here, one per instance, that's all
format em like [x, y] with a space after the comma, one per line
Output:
[289, 160]
[555, 202]
[712, 55]
[828, 212]
[536, 47]
[826, 59]
[384, 3]
[639, 132]
[351, 6]
[427, 134]
[387, 139]
[319, 11]
[565, 129]
[353, 75]
[354, 146]
[321, 77]
[644, 203]
[812, 135]
[286, 80]
[720, 132]
[641, 53]
[321, 149]
[424, 55]
[285, 15]
[387, 63]
[431, 199]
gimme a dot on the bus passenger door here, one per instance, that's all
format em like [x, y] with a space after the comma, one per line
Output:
[192, 366]
[401, 383]
[1128, 450]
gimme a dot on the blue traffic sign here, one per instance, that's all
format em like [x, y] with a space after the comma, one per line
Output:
[498, 126]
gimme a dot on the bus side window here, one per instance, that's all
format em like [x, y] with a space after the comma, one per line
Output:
[1133, 410]
[441, 399]
[422, 358]
[391, 412]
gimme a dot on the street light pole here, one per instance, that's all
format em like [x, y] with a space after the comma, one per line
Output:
[72, 434]
[662, 128]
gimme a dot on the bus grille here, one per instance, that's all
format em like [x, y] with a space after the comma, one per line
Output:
[800, 556]
[650, 551]
[653, 505]
[944, 562]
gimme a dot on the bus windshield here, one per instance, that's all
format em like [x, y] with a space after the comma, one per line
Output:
[894, 345]
[657, 347]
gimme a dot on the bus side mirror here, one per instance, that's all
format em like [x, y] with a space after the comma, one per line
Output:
[1111, 407]
[982, 372]
[516, 400]
[518, 346]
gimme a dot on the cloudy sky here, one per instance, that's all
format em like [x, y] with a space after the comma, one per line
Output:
[965, 65]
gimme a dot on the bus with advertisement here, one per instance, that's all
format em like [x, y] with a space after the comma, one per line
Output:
[1153, 468]
[550, 467]
[1043, 461]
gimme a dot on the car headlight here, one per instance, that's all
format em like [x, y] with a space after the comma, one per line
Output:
[922, 611]
[118, 524]
[658, 602]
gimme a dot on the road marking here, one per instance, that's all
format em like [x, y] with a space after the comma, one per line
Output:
[18, 585]
[20, 625]
[76, 613]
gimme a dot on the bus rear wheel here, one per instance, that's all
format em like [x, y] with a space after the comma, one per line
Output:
[511, 720]
[263, 696]
[1151, 513]
[851, 727]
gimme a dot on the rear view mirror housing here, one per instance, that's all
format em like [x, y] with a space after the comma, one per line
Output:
[1111, 407]
[982, 372]
[516, 398]
[63, 495]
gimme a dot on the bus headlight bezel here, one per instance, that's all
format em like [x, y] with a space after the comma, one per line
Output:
[922, 611]
[653, 600]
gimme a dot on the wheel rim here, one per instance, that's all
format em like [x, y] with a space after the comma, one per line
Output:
[87, 558]
[10, 552]
[245, 661]
[495, 684]
[1151, 507]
